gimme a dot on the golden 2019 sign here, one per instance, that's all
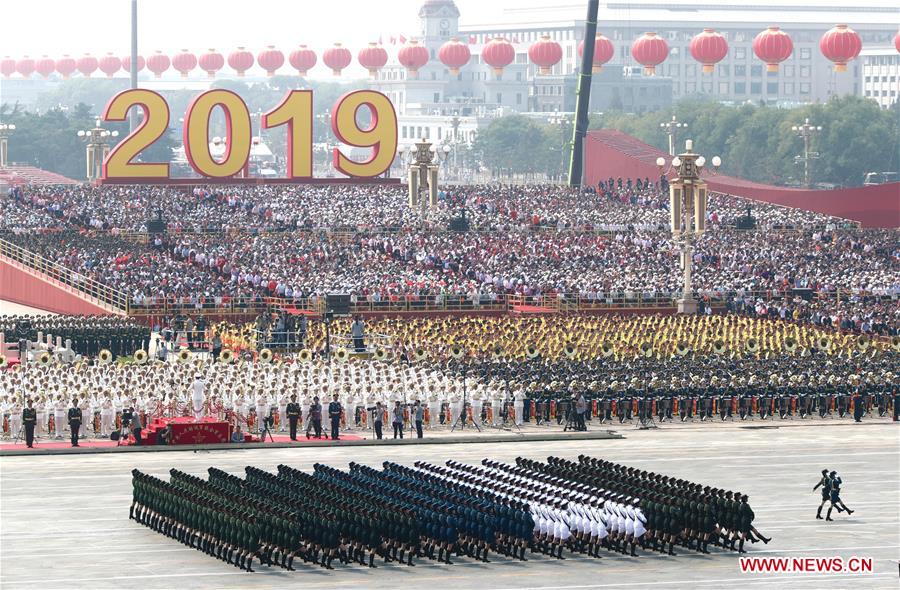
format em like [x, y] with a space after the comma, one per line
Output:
[294, 112]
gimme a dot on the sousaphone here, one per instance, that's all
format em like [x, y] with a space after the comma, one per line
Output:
[266, 355]
[141, 356]
[607, 349]
[719, 347]
[105, 357]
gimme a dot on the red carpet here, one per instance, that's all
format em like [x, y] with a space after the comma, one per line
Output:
[55, 444]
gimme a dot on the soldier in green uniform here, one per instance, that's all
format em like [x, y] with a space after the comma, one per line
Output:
[293, 415]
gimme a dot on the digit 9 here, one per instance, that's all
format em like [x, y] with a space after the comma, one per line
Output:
[381, 134]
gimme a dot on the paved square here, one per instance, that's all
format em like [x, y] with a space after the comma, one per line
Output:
[64, 519]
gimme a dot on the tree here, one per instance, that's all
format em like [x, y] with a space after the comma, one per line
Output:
[516, 145]
[756, 141]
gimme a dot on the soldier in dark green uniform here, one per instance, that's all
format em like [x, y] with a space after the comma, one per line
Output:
[29, 419]
[293, 415]
[74, 418]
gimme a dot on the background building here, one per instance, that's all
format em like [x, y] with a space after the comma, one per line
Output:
[880, 75]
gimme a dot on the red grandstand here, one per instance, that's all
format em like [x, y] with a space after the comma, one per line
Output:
[610, 153]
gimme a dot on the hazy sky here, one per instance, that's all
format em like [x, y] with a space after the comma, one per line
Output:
[97, 26]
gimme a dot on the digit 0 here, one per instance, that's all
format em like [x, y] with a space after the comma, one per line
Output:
[381, 135]
[237, 134]
[295, 109]
[118, 163]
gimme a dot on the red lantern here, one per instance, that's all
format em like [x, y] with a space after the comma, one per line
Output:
[126, 63]
[87, 65]
[7, 66]
[240, 61]
[25, 66]
[158, 63]
[840, 44]
[413, 56]
[211, 62]
[709, 48]
[184, 62]
[337, 58]
[773, 46]
[373, 58]
[545, 53]
[897, 42]
[110, 64]
[65, 66]
[303, 59]
[650, 50]
[498, 54]
[603, 52]
[454, 55]
[270, 60]
[45, 66]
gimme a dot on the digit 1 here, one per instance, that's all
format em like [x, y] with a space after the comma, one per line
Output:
[237, 134]
[295, 109]
[381, 135]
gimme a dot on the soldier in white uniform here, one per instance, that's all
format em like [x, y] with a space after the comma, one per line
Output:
[519, 406]
[107, 413]
[15, 417]
[262, 411]
[282, 410]
[59, 414]
[198, 397]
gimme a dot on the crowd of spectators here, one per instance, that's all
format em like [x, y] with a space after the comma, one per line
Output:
[606, 243]
[613, 205]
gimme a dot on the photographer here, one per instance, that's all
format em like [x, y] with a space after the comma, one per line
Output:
[419, 415]
[136, 425]
[315, 418]
[580, 409]
[378, 419]
[397, 419]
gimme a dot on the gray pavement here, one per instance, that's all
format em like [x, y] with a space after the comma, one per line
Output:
[64, 523]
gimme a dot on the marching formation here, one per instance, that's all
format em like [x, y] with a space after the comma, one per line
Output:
[439, 512]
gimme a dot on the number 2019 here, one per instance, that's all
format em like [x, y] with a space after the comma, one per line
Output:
[295, 111]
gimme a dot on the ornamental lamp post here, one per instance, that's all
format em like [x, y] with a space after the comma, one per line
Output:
[423, 172]
[672, 128]
[687, 211]
[97, 149]
[806, 131]
[6, 129]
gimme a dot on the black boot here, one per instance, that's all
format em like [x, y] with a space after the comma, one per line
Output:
[828, 515]
[819, 513]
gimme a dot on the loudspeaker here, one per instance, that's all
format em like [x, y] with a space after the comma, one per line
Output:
[747, 222]
[339, 303]
[156, 226]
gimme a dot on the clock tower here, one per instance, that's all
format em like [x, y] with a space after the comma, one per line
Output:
[439, 22]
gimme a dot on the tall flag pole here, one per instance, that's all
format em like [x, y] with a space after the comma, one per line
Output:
[583, 95]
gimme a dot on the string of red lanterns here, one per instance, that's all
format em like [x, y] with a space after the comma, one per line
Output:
[840, 45]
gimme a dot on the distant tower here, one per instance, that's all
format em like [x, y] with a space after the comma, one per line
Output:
[439, 21]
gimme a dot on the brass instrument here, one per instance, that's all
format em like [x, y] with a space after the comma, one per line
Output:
[226, 356]
[184, 355]
[420, 354]
[306, 355]
[647, 349]
[607, 349]
[752, 345]
[531, 352]
[457, 352]
[790, 345]
[863, 343]
[342, 355]
[266, 355]
[719, 347]
[570, 351]
[105, 357]
[682, 348]
[141, 356]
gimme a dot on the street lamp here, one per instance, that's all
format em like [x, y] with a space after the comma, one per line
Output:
[687, 211]
[6, 129]
[97, 140]
[563, 120]
[672, 128]
[806, 131]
